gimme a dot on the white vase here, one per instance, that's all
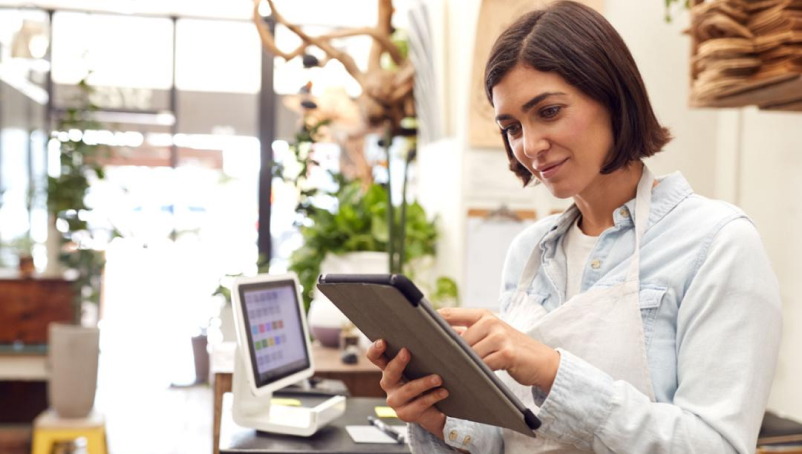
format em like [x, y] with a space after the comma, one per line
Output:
[227, 327]
[73, 356]
[325, 320]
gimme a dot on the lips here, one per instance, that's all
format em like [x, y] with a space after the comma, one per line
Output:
[548, 170]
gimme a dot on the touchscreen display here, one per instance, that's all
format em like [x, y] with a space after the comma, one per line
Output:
[275, 333]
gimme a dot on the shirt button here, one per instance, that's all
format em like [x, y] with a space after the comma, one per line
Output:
[452, 435]
[624, 212]
[596, 264]
[467, 440]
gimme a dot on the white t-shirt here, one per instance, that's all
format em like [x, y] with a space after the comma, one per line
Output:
[577, 248]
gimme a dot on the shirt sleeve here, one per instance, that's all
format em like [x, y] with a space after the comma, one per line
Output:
[728, 335]
[469, 436]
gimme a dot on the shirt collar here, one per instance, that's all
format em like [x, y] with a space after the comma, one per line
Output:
[671, 190]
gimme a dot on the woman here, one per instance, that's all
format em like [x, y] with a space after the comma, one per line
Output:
[644, 319]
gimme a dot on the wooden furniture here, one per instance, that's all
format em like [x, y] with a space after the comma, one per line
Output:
[27, 306]
[23, 384]
[361, 379]
[330, 439]
[15, 438]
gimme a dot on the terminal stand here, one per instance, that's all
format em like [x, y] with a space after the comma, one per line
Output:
[256, 412]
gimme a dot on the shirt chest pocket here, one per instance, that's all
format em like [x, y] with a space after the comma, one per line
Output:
[650, 298]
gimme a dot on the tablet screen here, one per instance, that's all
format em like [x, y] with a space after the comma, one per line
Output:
[275, 331]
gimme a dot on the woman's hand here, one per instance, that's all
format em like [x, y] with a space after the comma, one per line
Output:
[503, 347]
[413, 401]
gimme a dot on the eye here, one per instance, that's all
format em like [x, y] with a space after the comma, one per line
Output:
[550, 112]
[512, 130]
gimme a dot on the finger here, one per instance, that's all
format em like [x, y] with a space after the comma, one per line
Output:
[486, 347]
[413, 410]
[375, 353]
[412, 390]
[391, 377]
[459, 329]
[480, 330]
[462, 316]
[499, 360]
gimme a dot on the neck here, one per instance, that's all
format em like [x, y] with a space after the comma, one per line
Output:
[599, 200]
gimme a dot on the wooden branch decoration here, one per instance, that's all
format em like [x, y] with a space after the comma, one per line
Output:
[386, 94]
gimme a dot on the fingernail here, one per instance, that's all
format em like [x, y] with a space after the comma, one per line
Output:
[434, 381]
[403, 354]
[379, 343]
[442, 394]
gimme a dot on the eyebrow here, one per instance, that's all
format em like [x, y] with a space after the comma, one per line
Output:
[530, 104]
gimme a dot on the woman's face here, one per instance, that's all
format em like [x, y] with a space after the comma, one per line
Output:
[557, 132]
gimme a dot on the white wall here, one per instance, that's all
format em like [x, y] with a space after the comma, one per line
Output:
[662, 54]
[769, 191]
[749, 158]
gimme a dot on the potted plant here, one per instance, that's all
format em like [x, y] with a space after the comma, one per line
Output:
[365, 220]
[74, 348]
[355, 238]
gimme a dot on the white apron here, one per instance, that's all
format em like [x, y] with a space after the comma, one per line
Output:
[603, 326]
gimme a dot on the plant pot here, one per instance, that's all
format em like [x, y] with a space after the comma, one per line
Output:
[325, 320]
[73, 356]
[227, 327]
[201, 356]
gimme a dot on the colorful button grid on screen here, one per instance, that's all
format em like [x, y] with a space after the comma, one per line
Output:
[258, 345]
[281, 324]
[264, 343]
[274, 325]
[255, 329]
[278, 340]
[261, 329]
[267, 326]
[270, 341]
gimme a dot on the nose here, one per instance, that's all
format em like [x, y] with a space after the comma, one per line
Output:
[534, 144]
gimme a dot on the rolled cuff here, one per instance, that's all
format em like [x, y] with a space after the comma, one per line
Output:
[423, 442]
[472, 436]
[578, 403]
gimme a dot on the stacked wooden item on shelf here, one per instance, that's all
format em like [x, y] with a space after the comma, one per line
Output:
[779, 434]
[747, 52]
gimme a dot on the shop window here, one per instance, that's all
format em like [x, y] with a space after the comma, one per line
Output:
[120, 51]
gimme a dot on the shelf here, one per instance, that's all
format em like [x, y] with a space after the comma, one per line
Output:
[22, 349]
[777, 93]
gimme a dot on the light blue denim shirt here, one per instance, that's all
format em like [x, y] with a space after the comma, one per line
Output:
[710, 304]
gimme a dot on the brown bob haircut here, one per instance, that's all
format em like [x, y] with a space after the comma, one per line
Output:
[578, 44]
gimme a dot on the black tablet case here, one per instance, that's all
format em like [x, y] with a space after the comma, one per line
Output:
[390, 307]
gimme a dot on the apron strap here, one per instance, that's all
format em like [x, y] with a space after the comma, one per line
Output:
[643, 204]
[531, 268]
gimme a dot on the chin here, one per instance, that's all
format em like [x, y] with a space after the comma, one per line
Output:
[560, 189]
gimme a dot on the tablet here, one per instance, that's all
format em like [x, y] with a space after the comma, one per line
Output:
[391, 307]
